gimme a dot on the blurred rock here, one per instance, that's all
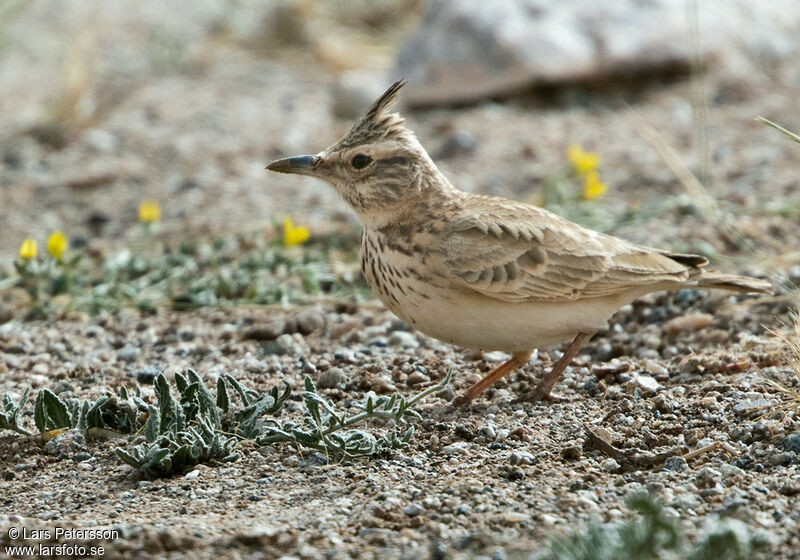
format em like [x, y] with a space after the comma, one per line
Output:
[471, 49]
[458, 144]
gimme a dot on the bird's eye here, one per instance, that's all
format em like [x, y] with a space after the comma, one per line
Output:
[360, 161]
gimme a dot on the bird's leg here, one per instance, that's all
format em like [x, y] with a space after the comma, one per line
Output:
[518, 359]
[542, 391]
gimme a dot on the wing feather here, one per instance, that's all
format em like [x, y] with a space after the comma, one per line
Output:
[516, 252]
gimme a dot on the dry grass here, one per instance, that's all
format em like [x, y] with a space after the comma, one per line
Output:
[789, 347]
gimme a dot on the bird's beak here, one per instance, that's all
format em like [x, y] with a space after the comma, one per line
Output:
[300, 165]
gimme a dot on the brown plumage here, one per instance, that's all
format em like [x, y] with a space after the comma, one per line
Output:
[485, 272]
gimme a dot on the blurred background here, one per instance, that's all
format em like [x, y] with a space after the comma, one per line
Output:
[105, 104]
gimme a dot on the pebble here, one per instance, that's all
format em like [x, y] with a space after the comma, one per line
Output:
[309, 321]
[331, 378]
[6, 313]
[654, 368]
[688, 322]
[707, 478]
[676, 464]
[404, 339]
[268, 331]
[412, 510]
[66, 444]
[610, 465]
[647, 383]
[128, 354]
[192, 474]
[488, 432]
[515, 517]
[792, 443]
[457, 448]
[521, 458]
[494, 357]
[287, 344]
[571, 452]
[416, 378]
[101, 140]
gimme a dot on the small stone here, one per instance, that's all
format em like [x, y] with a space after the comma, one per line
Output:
[647, 383]
[66, 444]
[6, 313]
[331, 378]
[412, 510]
[614, 367]
[676, 464]
[128, 354]
[416, 377]
[604, 352]
[286, 344]
[81, 456]
[488, 432]
[309, 321]
[457, 448]
[491, 357]
[571, 452]
[688, 322]
[521, 458]
[101, 140]
[610, 465]
[404, 339]
[707, 478]
[790, 488]
[147, 375]
[291, 461]
[267, 331]
[654, 368]
[792, 443]
[515, 517]
[781, 458]
[192, 474]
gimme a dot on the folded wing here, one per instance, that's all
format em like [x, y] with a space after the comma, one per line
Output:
[517, 252]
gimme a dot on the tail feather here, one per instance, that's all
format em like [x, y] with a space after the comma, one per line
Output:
[715, 280]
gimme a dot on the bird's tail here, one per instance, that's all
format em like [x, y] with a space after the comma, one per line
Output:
[715, 280]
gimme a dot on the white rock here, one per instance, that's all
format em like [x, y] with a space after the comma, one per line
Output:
[473, 49]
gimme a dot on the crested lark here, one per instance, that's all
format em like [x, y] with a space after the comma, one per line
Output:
[479, 271]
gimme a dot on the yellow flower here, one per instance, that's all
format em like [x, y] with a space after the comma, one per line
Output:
[57, 243]
[149, 211]
[593, 187]
[28, 249]
[292, 234]
[583, 162]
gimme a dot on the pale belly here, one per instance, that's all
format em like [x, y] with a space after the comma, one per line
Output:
[472, 320]
[476, 321]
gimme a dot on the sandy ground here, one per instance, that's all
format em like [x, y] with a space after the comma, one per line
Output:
[498, 479]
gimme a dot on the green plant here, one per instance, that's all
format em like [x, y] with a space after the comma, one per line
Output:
[652, 535]
[325, 429]
[9, 416]
[193, 426]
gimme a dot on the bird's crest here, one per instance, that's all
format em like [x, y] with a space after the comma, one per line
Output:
[376, 123]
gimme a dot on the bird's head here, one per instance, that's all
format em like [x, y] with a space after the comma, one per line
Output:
[377, 167]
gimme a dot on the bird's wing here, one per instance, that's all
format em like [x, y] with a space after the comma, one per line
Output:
[517, 252]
